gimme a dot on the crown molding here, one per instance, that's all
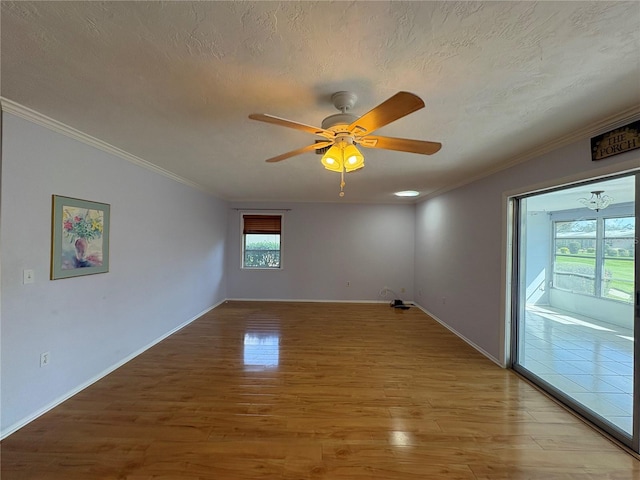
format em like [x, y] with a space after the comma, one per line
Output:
[609, 123]
[38, 118]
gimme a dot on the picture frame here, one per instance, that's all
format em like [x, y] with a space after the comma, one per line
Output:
[79, 237]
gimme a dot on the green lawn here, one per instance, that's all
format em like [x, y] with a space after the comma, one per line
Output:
[575, 260]
[621, 270]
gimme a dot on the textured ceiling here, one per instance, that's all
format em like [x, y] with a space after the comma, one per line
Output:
[174, 82]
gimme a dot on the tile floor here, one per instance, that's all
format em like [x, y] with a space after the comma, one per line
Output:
[588, 360]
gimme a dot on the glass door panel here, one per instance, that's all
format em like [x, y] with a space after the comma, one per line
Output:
[574, 299]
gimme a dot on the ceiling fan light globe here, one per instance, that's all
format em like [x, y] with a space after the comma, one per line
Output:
[333, 167]
[355, 160]
[332, 160]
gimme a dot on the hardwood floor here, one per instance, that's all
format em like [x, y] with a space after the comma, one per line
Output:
[262, 390]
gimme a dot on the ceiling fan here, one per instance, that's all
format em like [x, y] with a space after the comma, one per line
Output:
[343, 131]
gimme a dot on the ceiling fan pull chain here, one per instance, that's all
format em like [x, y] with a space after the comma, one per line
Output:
[342, 184]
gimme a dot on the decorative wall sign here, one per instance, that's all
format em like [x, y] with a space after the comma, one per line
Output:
[620, 140]
[79, 237]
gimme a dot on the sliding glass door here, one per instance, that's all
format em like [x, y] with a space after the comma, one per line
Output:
[575, 301]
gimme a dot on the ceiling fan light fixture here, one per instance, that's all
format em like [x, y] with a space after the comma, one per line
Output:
[332, 160]
[354, 159]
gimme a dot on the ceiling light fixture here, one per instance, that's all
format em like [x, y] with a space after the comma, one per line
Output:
[407, 193]
[343, 157]
[597, 201]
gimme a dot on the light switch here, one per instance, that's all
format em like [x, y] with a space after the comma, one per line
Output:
[28, 276]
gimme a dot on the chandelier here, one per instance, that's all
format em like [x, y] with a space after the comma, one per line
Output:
[597, 202]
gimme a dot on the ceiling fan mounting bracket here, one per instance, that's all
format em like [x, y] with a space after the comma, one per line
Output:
[344, 101]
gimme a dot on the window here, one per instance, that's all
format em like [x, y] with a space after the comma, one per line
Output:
[574, 266]
[617, 265]
[261, 241]
[595, 257]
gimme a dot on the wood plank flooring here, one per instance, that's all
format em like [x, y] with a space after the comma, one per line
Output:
[263, 390]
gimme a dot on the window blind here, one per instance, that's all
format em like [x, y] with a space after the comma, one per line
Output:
[261, 224]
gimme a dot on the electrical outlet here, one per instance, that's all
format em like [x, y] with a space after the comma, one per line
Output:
[28, 276]
[402, 290]
[45, 359]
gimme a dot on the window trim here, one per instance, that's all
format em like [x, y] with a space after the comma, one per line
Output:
[243, 238]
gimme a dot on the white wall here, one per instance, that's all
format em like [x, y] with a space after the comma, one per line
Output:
[166, 266]
[536, 244]
[324, 247]
[459, 241]
[607, 311]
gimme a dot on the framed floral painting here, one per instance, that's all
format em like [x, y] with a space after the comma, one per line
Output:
[80, 237]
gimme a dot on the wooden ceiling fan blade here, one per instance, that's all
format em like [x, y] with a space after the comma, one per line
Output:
[401, 144]
[401, 104]
[283, 122]
[299, 151]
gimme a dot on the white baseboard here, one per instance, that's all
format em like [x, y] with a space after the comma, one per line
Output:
[462, 337]
[28, 419]
[314, 300]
